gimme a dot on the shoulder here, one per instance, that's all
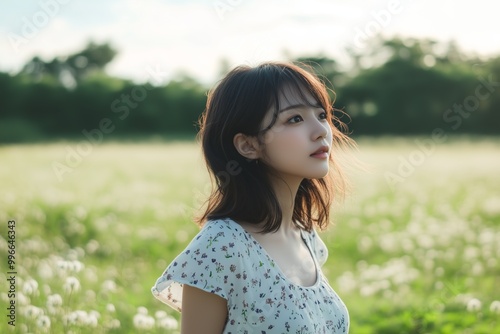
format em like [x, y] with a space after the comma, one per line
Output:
[206, 263]
[317, 245]
[221, 237]
[217, 231]
[222, 224]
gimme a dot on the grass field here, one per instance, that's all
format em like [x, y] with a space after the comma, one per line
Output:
[415, 247]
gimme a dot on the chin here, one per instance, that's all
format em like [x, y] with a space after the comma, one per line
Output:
[318, 175]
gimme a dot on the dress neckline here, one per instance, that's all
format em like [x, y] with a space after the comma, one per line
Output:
[275, 265]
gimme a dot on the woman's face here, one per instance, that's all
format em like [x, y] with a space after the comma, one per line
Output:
[299, 143]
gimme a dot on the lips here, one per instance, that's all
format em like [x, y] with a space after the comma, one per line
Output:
[322, 152]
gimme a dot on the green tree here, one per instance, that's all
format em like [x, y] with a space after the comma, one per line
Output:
[72, 69]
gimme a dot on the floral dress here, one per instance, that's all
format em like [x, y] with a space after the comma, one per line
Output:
[226, 260]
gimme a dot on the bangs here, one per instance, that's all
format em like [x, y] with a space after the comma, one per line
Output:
[286, 84]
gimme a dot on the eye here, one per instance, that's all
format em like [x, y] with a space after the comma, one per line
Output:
[323, 115]
[295, 119]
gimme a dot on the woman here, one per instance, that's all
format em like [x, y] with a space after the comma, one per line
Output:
[268, 135]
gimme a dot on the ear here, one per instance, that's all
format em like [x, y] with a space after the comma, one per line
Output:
[246, 145]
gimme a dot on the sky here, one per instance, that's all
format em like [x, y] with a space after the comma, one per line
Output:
[158, 39]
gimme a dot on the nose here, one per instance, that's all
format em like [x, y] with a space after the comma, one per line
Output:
[321, 130]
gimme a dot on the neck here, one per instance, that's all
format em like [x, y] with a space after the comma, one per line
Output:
[286, 189]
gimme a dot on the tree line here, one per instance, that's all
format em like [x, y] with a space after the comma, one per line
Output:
[396, 86]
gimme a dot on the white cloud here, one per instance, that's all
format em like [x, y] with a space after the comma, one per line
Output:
[193, 36]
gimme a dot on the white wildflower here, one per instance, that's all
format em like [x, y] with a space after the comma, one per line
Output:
[70, 266]
[32, 312]
[143, 321]
[168, 323]
[347, 282]
[495, 306]
[63, 265]
[22, 299]
[95, 314]
[43, 322]
[471, 253]
[473, 305]
[108, 286]
[45, 270]
[477, 269]
[110, 308]
[54, 300]
[75, 266]
[92, 318]
[81, 318]
[92, 246]
[69, 319]
[90, 296]
[91, 274]
[160, 314]
[78, 252]
[47, 290]
[142, 310]
[71, 285]
[364, 244]
[368, 290]
[30, 287]
[115, 323]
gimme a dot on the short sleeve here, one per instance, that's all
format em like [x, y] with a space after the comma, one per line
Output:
[319, 248]
[204, 264]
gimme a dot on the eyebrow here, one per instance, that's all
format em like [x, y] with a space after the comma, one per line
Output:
[301, 105]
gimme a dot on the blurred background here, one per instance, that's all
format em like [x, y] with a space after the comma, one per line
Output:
[100, 171]
[397, 67]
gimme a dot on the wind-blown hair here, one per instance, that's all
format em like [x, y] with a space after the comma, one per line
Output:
[242, 190]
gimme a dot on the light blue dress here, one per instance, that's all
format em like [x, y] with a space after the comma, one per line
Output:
[226, 260]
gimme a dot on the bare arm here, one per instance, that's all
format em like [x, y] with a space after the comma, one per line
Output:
[202, 312]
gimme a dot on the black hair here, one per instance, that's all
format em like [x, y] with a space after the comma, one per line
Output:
[242, 189]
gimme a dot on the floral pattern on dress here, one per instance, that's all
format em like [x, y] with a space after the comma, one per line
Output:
[226, 260]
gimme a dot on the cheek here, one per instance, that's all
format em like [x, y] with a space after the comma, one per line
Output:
[283, 146]
[330, 136]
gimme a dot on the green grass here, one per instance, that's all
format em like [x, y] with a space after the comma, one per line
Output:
[417, 256]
